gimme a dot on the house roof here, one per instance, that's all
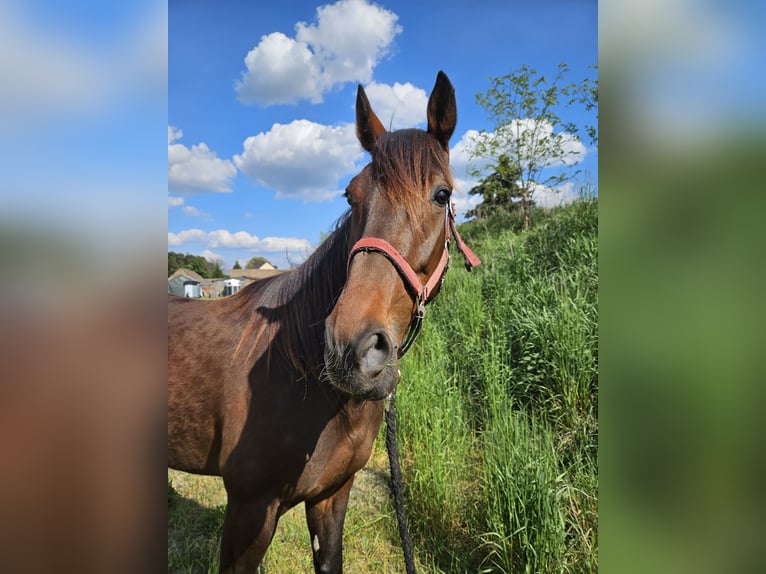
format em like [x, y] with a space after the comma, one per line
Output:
[186, 273]
[254, 273]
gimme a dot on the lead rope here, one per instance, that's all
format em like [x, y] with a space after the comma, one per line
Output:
[396, 483]
[397, 488]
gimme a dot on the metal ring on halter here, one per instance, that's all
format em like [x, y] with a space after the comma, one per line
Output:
[413, 330]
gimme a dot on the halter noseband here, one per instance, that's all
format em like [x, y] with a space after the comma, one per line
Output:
[422, 293]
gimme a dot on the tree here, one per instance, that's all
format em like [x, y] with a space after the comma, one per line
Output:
[256, 262]
[175, 262]
[500, 190]
[214, 270]
[529, 133]
[237, 265]
[196, 263]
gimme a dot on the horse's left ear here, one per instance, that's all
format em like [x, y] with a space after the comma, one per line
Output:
[442, 110]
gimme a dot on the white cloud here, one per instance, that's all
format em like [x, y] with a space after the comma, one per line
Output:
[460, 155]
[186, 236]
[463, 201]
[174, 134]
[347, 40]
[212, 257]
[459, 163]
[188, 210]
[398, 106]
[280, 71]
[536, 139]
[196, 169]
[553, 197]
[221, 238]
[301, 159]
[350, 38]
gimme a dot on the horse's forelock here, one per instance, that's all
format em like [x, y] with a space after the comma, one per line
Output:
[405, 162]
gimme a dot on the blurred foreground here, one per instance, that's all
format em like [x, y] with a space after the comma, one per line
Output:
[82, 295]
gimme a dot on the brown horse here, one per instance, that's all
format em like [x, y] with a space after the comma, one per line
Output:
[279, 388]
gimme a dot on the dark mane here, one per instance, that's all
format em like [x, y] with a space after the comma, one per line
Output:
[404, 160]
[289, 309]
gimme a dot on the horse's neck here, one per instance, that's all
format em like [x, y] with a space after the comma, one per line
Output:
[307, 296]
[323, 274]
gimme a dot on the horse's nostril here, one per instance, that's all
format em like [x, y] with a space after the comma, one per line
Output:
[373, 352]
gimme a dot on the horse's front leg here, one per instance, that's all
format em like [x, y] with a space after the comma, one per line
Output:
[247, 532]
[325, 518]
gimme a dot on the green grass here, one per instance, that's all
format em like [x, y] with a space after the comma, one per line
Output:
[498, 404]
[370, 538]
[497, 424]
[195, 518]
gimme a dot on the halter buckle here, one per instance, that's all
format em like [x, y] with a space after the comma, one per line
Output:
[420, 312]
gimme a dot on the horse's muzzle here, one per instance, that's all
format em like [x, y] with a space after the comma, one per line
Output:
[365, 367]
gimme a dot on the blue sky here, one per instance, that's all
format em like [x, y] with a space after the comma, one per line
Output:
[261, 96]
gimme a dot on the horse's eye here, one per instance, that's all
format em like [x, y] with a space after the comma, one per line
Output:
[442, 196]
[347, 195]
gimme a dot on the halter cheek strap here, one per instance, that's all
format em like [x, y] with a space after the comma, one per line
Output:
[471, 260]
[422, 293]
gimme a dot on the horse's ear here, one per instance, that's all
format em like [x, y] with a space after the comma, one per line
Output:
[442, 110]
[368, 126]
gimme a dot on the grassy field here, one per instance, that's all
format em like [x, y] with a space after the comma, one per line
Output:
[371, 539]
[497, 423]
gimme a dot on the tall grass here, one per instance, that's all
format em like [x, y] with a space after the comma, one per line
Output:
[498, 408]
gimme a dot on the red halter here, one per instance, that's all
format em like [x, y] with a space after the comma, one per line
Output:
[422, 293]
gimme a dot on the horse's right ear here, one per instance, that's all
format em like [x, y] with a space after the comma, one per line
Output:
[442, 110]
[368, 126]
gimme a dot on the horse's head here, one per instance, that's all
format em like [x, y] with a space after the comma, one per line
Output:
[399, 224]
